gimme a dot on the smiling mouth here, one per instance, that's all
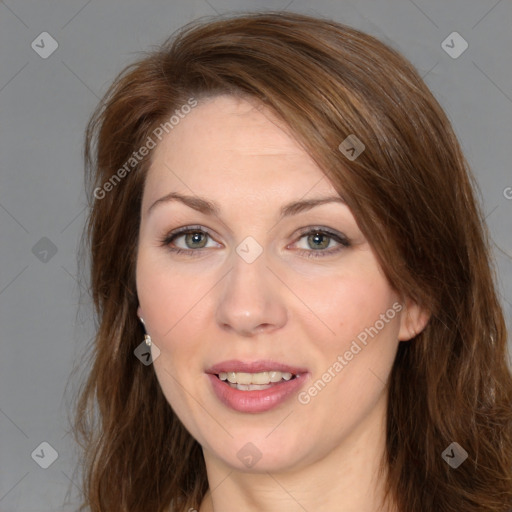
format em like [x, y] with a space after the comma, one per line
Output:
[255, 381]
[260, 388]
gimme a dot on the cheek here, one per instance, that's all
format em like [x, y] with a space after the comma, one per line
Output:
[357, 360]
[345, 304]
[171, 307]
[351, 368]
[169, 300]
[352, 338]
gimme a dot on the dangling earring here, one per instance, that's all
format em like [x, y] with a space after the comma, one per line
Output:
[147, 337]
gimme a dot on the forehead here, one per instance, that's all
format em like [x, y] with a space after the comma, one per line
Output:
[228, 123]
[227, 145]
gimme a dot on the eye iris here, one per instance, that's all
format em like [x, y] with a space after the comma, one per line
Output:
[318, 237]
[194, 238]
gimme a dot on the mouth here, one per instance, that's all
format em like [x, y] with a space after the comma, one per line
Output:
[257, 386]
[244, 381]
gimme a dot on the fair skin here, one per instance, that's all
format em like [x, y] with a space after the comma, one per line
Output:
[214, 306]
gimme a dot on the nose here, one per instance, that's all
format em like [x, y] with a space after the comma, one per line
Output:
[251, 300]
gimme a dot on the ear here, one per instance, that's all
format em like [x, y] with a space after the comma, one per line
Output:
[139, 311]
[413, 320]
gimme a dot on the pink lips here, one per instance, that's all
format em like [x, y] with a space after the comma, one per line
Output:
[234, 365]
[257, 400]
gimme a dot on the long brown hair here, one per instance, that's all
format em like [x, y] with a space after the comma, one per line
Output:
[413, 196]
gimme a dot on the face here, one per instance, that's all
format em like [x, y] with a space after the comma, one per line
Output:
[239, 269]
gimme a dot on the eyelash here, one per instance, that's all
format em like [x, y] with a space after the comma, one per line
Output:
[343, 241]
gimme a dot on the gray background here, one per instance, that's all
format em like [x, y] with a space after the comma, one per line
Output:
[44, 107]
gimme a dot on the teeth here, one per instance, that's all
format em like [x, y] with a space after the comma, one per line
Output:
[261, 378]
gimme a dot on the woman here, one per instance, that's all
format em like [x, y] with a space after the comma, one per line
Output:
[284, 225]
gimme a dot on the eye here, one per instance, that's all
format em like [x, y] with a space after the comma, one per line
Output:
[194, 238]
[320, 241]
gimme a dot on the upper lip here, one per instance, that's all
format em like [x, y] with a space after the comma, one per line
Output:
[235, 365]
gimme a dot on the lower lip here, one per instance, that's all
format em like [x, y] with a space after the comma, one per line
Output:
[258, 400]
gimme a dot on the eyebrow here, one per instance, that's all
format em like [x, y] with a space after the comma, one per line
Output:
[207, 207]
